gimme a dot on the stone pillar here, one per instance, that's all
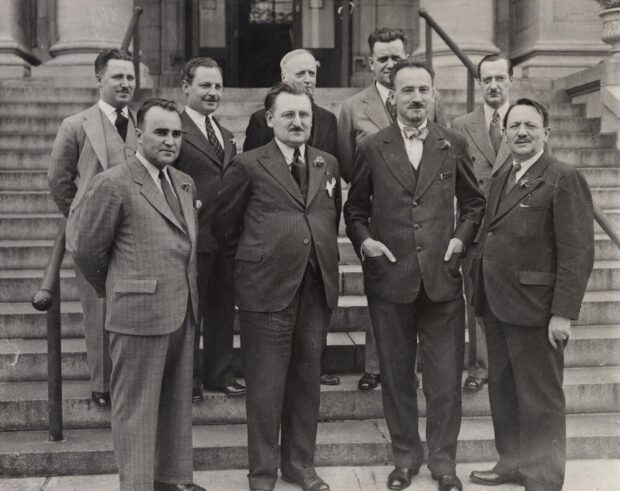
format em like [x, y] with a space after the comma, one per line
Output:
[470, 24]
[84, 29]
[553, 38]
[15, 55]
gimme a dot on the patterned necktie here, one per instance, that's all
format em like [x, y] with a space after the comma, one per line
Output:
[412, 132]
[390, 105]
[215, 143]
[173, 201]
[495, 131]
[121, 123]
[512, 178]
[299, 170]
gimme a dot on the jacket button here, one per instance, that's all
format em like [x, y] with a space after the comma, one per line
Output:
[416, 226]
[415, 203]
[179, 245]
[306, 241]
[480, 181]
[418, 249]
[490, 234]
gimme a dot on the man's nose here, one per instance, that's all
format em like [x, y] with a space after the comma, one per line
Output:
[390, 63]
[493, 84]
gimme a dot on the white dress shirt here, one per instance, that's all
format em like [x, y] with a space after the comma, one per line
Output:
[526, 164]
[384, 92]
[488, 114]
[154, 172]
[289, 151]
[413, 146]
[199, 119]
[110, 111]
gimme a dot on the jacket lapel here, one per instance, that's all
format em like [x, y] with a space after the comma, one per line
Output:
[93, 127]
[517, 193]
[274, 163]
[183, 192]
[315, 173]
[477, 129]
[503, 155]
[432, 159]
[194, 136]
[393, 151]
[374, 108]
[228, 143]
[131, 143]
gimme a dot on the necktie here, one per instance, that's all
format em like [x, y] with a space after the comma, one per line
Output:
[299, 170]
[121, 123]
[390, 105]
[412, 132]
[495, 131]
[512, 179]
[173, 201]
[215, 143]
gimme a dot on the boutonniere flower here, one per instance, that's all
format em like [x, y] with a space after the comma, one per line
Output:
[445, 144]
[530, 183]
[319, 161]
[186, 186]
[330, 185]
[197, 204]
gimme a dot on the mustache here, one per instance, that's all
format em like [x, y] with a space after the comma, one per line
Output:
[212, 98]
[416, 105]
[296, 128]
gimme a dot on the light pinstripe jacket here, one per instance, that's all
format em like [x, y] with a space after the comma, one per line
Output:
[132, 250]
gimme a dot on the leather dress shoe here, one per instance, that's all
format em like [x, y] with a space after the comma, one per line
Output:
[400, 477]
[101, 399]
[448, 482]
[233, 390]
[313, 483]
[492, 478]
[196, 394]
[473, 384]
[161, 486]
[369, 381]
[329, 379]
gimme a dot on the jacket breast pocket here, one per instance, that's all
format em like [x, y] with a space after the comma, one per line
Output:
[133, 285]
[542, 278]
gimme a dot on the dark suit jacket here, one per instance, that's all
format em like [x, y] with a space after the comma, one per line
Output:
[537, 250]
[413, 217]
[323, 137]
[133, 251]
[199, 160]
[262, 219]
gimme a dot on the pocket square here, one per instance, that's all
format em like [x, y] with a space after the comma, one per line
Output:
[197, 204]
[330, 185]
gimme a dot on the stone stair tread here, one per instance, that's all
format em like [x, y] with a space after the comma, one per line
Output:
[15, 243]
[33, 273]
[20, 308]
[31, 215]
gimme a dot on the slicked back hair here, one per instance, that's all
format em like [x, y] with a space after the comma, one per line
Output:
[410, 63]
[291, 54]
[495, 57]
[283, 88]
[386, 35]
[189, 70]
[165, 104]
[538, 107]
[101, 62]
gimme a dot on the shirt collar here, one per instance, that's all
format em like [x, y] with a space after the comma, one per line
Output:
[402, 126]
[288, 151]
[526, 164]
[502, 110]
[383, 91]
[151, 169]
[111, 110]
[197, 117]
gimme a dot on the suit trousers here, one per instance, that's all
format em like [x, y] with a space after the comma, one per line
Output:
[213, 366]
[97, 338]
[527, 402]
[152, 407]
[282, 353]
[477, 358]
[440, 328]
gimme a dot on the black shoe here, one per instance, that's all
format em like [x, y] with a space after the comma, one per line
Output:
[369, 381]
[492, 478]
[400, 477]
[314, 483]
[473, 384]
[233, 390]
[101, 399]
[448, 482]
[160, 486]
[196, 394]
[328, 379]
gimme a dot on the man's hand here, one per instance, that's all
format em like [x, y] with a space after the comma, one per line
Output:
[374, 248]
[454, 247]
[559, 330]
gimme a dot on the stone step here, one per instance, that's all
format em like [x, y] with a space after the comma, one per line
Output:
[24, 404]
[606, 197]
[29, 226]
[47, 94]
[588, 157]
[19, 320]
[27, 453]
[27, 202]
[23, 180]
[602, 177]
[25, 360]
[614, 217]
[25, 158]
[559, 140]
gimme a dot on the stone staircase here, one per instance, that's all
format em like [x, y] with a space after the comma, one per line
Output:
[351, 431]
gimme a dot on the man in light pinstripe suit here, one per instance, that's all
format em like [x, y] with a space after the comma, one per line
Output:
[137, 246]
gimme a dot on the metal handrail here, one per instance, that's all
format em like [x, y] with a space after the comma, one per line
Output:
[607, 226]
[133, 31]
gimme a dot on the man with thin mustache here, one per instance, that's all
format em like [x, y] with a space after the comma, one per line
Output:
[206, 151]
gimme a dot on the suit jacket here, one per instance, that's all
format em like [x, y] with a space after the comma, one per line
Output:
[537, 248]
[86, 144]
[263, 221]
[323, 137]
[134, 252]
[199, 160]
[413, 217]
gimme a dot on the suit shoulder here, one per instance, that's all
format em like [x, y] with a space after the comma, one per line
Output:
[355, 99]
[258, 115]
[179, 174]
[74, 121]
[324, 113]
[462, 120]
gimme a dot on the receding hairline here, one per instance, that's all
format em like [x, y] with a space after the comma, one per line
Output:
[286, 59]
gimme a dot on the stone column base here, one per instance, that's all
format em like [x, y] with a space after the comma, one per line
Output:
[554, 65]
[12, 66]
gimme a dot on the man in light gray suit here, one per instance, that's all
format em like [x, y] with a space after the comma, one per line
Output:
[136, 245]
[483, 131]
[87, 143]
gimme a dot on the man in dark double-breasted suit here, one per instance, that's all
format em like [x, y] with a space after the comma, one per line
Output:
[206, 151]
[400, 218]
[531, 270]
[277, 214]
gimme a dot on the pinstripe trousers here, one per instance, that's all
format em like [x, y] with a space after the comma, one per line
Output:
[151, 385]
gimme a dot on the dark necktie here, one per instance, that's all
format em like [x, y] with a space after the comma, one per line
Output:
[512, 178]
[173, 201]
[495, 131]
[215, 143]
[299, 169]
[390, 105]
[121, 123]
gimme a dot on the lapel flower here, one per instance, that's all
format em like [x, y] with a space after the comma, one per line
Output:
[445, 144]
[319, 161]
[330, 184]
[530, 183]
[197, 204]
[186, 186]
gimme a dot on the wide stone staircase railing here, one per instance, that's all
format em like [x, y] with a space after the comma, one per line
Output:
[352, 431]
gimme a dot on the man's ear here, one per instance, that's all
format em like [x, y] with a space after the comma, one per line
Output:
[269, 118]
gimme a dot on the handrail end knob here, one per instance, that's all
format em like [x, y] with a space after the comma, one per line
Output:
[42, 300]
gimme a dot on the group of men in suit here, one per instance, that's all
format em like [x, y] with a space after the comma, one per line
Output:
[167, 243]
